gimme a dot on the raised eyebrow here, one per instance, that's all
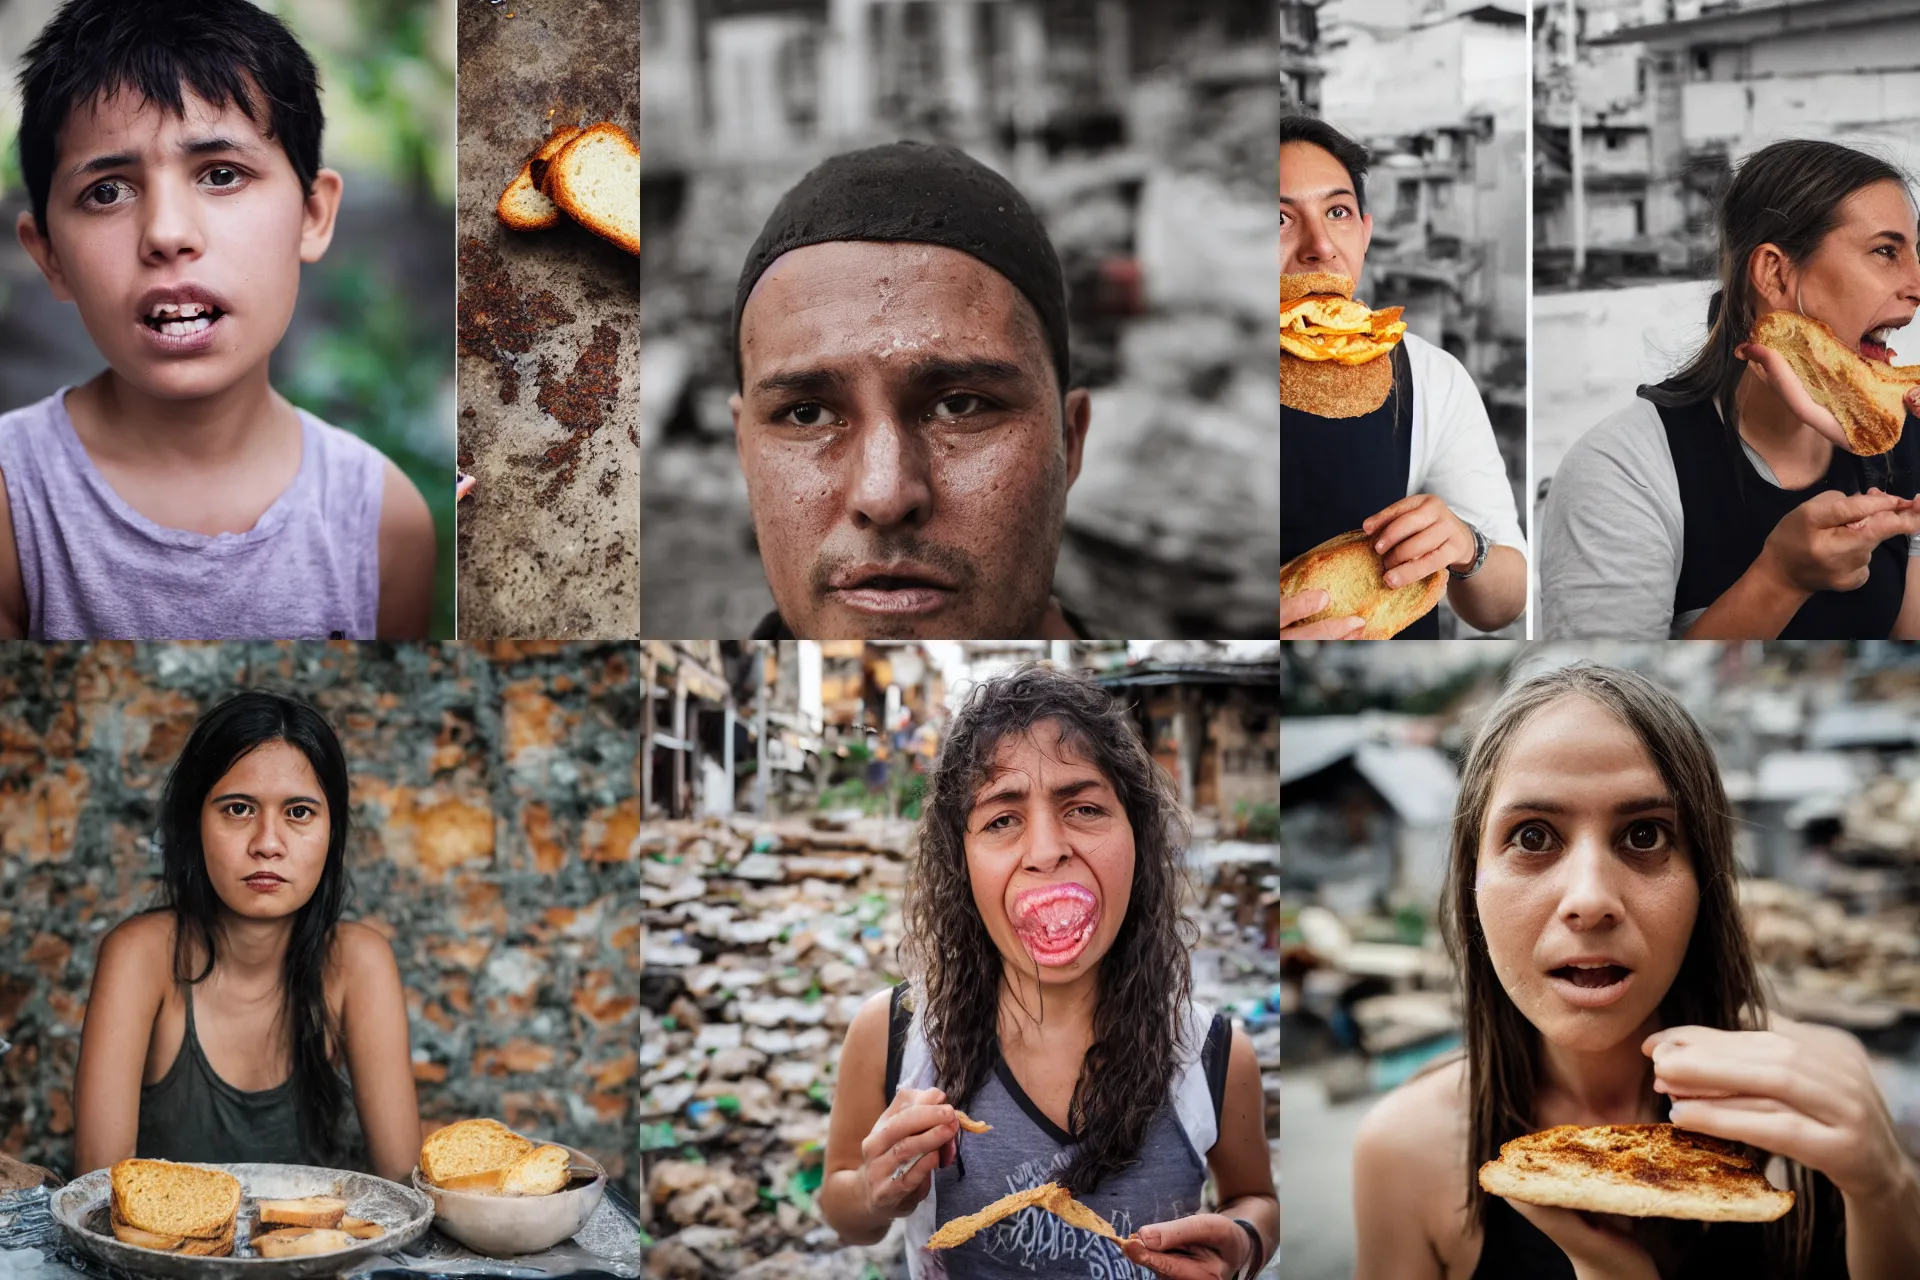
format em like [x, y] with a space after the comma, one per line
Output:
[1638, 804]
[934, 372]
[801, 382]
[1328, 194]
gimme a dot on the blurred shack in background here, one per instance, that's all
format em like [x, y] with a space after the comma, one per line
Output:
[1144, 134]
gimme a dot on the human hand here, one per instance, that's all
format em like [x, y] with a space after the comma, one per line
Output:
[1803, 1092]
[1305, 605]
[1597, 1244]
[1204, 1246]
[916, 1122]
[1417, 537]
[1826, 542]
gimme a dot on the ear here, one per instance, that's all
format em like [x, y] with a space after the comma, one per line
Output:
[1366, 233]
[734, 405]
[316, 223]
[40, 249]
[1771, 273]
[1079, 416]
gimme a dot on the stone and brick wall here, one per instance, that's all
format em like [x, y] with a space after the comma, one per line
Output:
[496, 814]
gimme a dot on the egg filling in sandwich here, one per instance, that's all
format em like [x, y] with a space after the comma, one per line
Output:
[1330, 347]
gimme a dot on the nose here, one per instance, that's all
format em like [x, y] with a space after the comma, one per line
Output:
[890, 486]
[172, 228]
[267, 840]
[1047, 843]
[1590, 896]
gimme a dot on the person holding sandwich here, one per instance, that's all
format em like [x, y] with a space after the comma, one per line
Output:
[1766, 489]
[1379, 430]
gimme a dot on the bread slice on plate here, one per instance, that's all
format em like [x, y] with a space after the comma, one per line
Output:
[171, 1199]
[470, 1147]
[1642, 1170]
[361, 1228]
[1866, 396]
[309, 1211]
[540, 1172]
[295, 1242]
[596, 181]
[523, 206]
[1350, 571]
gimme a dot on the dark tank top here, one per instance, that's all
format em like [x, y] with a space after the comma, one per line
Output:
[1729, 508]
[1335, 472]
[191, 1114]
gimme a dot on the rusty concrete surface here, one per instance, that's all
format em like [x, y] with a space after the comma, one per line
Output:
[549, 365]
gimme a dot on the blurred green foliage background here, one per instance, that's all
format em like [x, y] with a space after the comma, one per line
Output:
[371, 348]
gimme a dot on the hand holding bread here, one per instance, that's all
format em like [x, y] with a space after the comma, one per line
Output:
[1859, 404]
[1827, 542]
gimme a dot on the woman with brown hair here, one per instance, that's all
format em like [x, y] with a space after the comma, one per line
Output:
[1723, 503]
[1590, 909]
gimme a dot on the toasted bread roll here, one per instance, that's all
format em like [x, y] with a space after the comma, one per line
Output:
[1349, 570]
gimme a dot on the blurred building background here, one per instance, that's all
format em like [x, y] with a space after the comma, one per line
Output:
[1437, 90]
[1819, 749]
[1143, 133]
[370, 348]
[1671, 95]
[782, 784]
[495, 847]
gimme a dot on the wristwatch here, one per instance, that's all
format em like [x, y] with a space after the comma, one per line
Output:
[1480, 548]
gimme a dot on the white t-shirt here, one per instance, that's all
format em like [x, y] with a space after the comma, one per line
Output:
[1455, 457]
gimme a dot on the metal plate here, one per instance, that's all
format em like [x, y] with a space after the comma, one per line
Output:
[82, 1208]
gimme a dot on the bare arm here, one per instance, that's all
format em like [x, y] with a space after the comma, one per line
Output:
[407, 555]
[129, 983]
[1389, 1196]
[1907, 625]
[373, 1019]
[13, 587]
[1495, 596]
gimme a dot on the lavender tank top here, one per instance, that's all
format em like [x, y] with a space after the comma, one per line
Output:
[94, 568]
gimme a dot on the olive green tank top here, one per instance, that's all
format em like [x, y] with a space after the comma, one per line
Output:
[191, 1114]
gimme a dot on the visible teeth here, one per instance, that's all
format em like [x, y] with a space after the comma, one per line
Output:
[185, 311]
[186, 328]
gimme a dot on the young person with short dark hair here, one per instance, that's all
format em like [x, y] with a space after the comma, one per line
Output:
[171, 149]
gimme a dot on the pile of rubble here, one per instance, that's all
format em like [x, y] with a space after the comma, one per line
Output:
[1827, 966]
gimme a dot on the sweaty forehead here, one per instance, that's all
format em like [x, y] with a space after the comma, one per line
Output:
[124, 119]
[878, 301]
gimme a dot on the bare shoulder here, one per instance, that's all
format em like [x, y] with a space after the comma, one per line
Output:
[1409, 1161]
[1424, 1120]
[142, 942]
[867, 1034]
[360, 950]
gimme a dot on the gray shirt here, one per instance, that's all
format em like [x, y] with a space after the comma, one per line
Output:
[1612, 533]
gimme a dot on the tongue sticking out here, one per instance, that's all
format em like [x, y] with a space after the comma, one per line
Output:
[1055, 923]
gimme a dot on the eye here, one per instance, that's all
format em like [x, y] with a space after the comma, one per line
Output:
[1534, 837]
[223, 176]
[236, 808]
[301, 812]
[961, 404]
[1340, 212]
[807, 415]
[1000, 823]
[1088, 811]
[102, 194]
[1645, 836]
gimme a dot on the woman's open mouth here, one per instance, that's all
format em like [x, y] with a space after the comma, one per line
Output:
[1056, 922]
[1873, 343]
[264, 882]
[1591, 986]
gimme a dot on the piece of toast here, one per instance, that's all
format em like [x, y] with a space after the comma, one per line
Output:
[310, 1211]
[1349, 570]
[220, 1246]
[171, 1199]
[595, 179]
[469, 1147]
[540, 1172]
[1641, 1170]
[1301, 283]
[297, 1242]
[1866, 396]
[1051, 1196]
[971, 1125]
[523, 205]
[361, 1228]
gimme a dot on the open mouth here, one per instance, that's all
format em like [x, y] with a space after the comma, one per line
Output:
[1591, 984]
[183, 320]
[1593, 977]
[1056, 922]
[1873, 343]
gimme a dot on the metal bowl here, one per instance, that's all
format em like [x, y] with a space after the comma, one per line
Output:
[83, 1206]
[504, 1226]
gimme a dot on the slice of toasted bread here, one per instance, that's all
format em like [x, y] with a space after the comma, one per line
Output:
[144, 1239]
[1332, 389]
[540, 1172]
[297, 1242]
[596, 181]
[361, 1228]
[1642, 1170]
[470, 1146]
[1301, 283]
[1349, 570]
[309, 1211]
[971, 1125]
[219, 1247]
[175, 1199]
[485, 1182]
[960, 1230]
[1866, 396]
[523, 205]
[1062, 1205]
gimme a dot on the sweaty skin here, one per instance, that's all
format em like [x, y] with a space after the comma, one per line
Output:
[900, 428]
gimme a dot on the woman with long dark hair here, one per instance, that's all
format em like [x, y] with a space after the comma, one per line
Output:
[1050, 1000]
[1590, 909]
[1722, 503]
[220, 1020]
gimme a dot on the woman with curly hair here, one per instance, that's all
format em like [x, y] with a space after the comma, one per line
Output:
[1050, 999]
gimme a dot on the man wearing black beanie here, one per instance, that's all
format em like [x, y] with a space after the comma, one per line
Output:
[903, 417]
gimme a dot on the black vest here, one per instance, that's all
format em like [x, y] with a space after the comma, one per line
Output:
[1335, 472]
[1729, 509]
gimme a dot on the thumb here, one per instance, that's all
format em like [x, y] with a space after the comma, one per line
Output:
[1833, 509]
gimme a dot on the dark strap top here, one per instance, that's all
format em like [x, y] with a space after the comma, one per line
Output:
[1730, 508]
[191, 1114]
[1335, 472]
